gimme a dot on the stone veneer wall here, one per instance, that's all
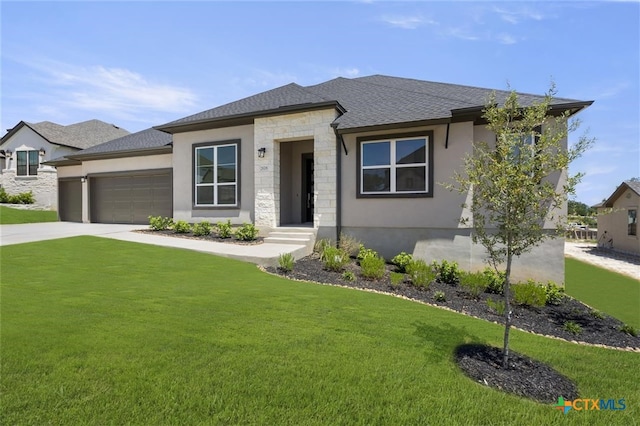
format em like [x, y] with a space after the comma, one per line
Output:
[44, 186]
[268, 132]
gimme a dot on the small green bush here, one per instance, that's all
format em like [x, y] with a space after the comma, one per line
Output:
[372, 267]
[396, 279]
[495, 280]
[497, 306]
[202, 229]
[247, 232]
[320, 246]
[334, 259]
[554, 293]
[596, 314]
[21, 198]
[159, 223]
[348, 276]
[223, 229]
[181, 227]
[630, 330]
[448, 272]
[421, 274]
[285, 262]
[439, 296]
[474, 283]
[529, 294]
[401, 261]
[364, 252]
[349, 244]
[572, 327]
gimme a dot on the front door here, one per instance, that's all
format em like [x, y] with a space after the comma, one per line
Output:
[307, 188]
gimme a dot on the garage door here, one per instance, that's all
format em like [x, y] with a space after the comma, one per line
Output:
[70, 200]
[131, 198]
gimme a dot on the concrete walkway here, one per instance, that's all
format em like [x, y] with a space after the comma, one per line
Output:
[265, 254]
[607, 259]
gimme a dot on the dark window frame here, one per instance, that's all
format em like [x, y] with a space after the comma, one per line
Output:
[427, 135]
[632, 222]
[30, 168]
[194, 185]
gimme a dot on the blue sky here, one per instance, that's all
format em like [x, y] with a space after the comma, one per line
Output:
[139, 64]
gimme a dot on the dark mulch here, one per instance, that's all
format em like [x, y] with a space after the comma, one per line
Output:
[523, 376]
[212, 237]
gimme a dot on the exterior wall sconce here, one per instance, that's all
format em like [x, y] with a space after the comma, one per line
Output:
[8, 153]
[83, 179]
[42, 152]
[261, 152]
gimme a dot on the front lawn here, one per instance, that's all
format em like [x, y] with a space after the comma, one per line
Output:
[610, 292]
[9, 216]
[103, 331]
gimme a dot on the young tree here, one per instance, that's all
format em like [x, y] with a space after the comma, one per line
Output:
[518, 183]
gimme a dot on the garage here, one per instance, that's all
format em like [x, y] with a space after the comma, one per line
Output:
[131, 197]
[70, 200]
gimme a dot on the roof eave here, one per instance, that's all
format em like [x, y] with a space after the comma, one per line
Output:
[391, 126]
[247, 118]
[139, 152]
[62, 162]
[476, 113]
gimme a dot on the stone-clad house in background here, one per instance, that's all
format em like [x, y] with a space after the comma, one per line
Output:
[26, 146]
[618, 217]
[361, 156]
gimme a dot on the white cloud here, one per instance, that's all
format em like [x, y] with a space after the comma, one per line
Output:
[506, 39]
[460, 33]
[265, 79]
[407, 22]
[519, 15]
[345, 72]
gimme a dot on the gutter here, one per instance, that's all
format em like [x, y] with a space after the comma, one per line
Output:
[339, 141]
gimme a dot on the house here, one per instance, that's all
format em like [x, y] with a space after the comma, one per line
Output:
[618, 219]
[27, 146]
[360, 156]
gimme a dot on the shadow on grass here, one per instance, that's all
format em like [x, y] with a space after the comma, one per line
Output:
[443, 338]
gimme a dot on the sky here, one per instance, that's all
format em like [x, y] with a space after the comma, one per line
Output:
[141, 64]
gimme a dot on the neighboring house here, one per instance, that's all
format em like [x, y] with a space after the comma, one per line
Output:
[618, 219]
[359, 156]
[27, 146]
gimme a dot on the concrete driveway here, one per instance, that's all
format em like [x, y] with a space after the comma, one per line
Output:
[29, 232]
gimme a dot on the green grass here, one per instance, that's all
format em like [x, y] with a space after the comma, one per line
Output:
[98, 331]
[10, 216]
[612, 293]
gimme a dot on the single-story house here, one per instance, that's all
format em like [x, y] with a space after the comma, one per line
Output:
[27, 146]
[361, 156]
[618, 219]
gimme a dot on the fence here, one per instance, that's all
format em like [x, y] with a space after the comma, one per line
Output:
[582, 234]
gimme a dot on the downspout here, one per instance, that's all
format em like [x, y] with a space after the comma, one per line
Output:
[339, 143]
[446, 141]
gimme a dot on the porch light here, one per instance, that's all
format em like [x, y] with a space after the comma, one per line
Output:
[8, 153]
[261, 152]
[42, 151]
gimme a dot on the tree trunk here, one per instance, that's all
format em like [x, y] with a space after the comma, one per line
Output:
[507, 311]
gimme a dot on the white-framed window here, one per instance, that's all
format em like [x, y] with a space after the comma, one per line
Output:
[27, 163]
[216, 177]
[632, 222]
[397, 166]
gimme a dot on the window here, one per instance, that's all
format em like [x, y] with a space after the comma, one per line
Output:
[216, 175]
[28, 162]
[398, 166]
[632, 216]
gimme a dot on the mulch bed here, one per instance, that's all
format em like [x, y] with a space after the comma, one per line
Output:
[523, 376]
[212, 237]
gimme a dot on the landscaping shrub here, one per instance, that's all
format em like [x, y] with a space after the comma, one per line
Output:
[364, 252]
[334, 259]
[421, 274]
[401, 261]
[181, 227]
[596, 314]
[159, 223]
[21, 198]
[372, 267]
[349, 276]
[202, 229]
[448, 272]
[529, 294]
[439, 296]
[554, 293]
[498, 306]
[223, 229]
[495, 280]
[247, 232]
[572, 327]
[396, 279]
[349, 244]
[474, 283]
[320, 246]
[632, 331]
[285, 262]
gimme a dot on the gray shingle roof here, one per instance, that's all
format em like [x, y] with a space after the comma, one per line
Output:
[80, 135]
[142, 140]
[369, 101]
[634, 185]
